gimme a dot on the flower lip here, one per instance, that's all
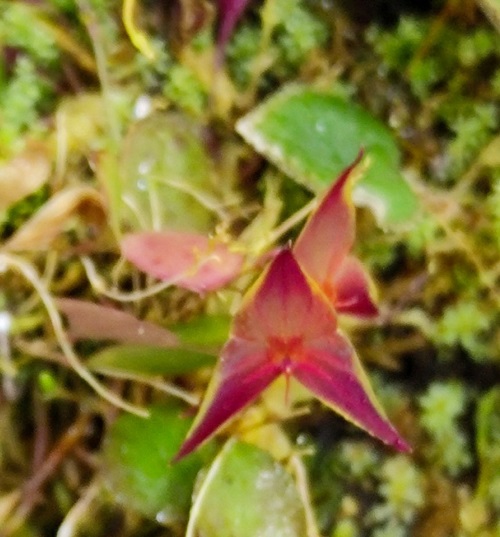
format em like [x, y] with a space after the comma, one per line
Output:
[285, 351]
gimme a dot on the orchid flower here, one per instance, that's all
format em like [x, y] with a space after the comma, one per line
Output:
[188, 260]
[323, 247]
[287, 325]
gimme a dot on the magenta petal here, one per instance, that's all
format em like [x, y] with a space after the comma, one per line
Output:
[284, 303]
[331, 370]
[188, 260]
[354, 289]
[244, 372]
[230, 12]
[328, 235]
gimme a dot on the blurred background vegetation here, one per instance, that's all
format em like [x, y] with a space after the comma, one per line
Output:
[114, 118]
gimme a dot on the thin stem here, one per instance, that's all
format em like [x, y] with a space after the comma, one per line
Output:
[31, 275]
[289, 223]
[156, 383]
[198, 502]
[305, 495]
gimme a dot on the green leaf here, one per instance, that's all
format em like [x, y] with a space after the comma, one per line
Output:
[148, 360]
[136, 464]
[166, 176]
[247, 493]
[312, 136]
[206, 331]
[488, 442]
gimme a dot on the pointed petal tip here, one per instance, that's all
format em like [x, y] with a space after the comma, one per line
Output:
[184, 451]
[401, 445]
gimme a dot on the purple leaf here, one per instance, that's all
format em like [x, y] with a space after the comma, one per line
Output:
[230, 12]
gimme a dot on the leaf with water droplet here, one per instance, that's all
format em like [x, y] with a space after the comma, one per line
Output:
[166, 176]
[248, 493]
[312, 136]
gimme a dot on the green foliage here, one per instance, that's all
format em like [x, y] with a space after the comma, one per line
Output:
[425, 233]
[18, 213]
[298, 32]
[477, 46]
[488, 447]
[247, 493]
[184, 89]
[294, 32]
[360, 461]
[473, 127]
[20, 27]
[241, 51]
[431, 62]
[442, 406]
[136, 464]
[402, 490]
[312, 136]
[464, 323]
[20, 101]
[346, 528]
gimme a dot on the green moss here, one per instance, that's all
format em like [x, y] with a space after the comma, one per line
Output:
[398, 47]
[20, 28]
[464, 323]
[391, 529]
[360, 460]
[241, 51]
[402, 491]
[185, 90]
[294, 30]
[477, 46]
[299, 33]
[346, 528]
[473, 127]
[442, 406]
[424, 234]
[488, 447]
[21, 211]
[20, 101]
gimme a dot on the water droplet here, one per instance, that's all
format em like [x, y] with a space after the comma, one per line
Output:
[143, 107]
[144, 167]
[5, 322]
[142, 184]
[320, 127]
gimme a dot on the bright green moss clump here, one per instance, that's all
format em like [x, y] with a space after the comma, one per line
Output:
[442, 406]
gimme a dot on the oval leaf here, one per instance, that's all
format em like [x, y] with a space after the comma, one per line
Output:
[249, 494]
[188, 260]
[312, 136]
[136, 469]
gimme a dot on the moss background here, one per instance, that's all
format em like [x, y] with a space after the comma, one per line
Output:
[76, 79]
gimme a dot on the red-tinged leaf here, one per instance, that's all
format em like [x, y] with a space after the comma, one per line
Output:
[94, 321]
[188, 260]
[230, 12]
[330, 368]
[353, 289]
[287, 326]
[328, 235]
